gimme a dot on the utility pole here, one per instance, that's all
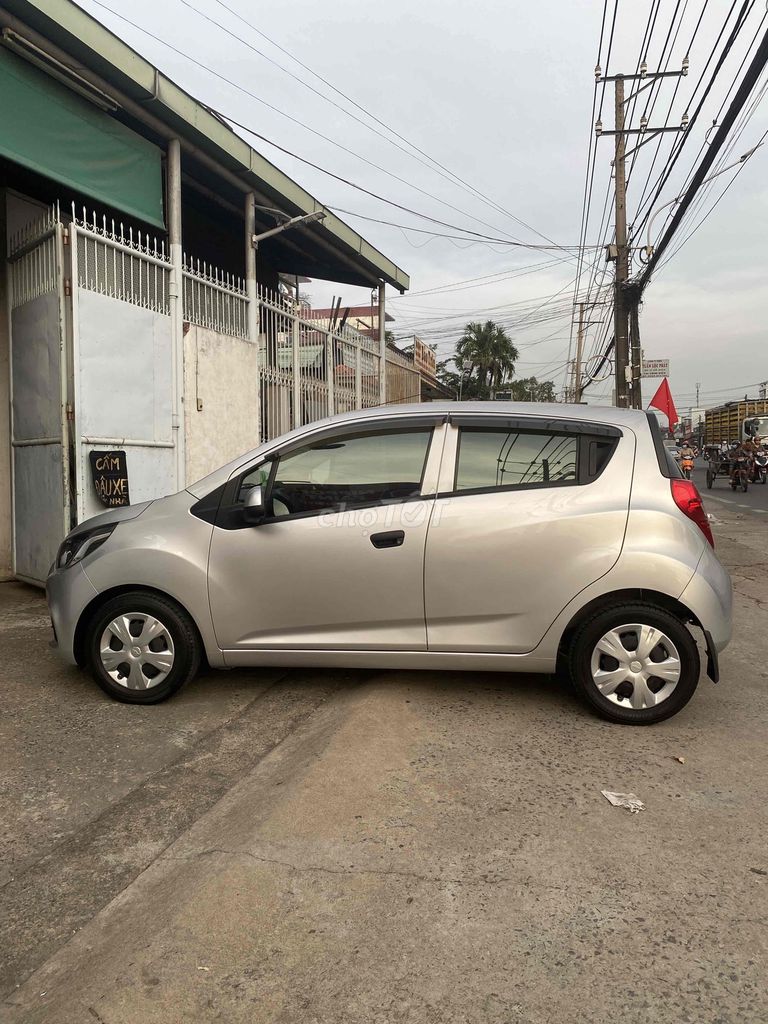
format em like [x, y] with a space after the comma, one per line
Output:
[620, 319]
[624, 305]
[698, 389]
[635, 351]
[576, 389]
[579, 351]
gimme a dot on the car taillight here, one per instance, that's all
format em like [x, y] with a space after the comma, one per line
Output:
[688, 500]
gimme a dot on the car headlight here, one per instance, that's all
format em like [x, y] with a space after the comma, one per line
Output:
[74, 548]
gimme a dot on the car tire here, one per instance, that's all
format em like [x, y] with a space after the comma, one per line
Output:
[141, 648]
[651, 698]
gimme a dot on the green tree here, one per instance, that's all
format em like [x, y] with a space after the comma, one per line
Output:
[486, 353]
[529, 389]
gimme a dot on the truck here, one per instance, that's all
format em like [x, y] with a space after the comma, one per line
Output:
[736, 421]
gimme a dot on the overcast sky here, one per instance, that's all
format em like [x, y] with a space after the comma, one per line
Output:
[499, 92]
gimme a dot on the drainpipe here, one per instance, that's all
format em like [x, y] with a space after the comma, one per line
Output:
[176, 301]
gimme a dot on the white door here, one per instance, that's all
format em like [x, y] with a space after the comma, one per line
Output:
[338, 561]
[527, 517]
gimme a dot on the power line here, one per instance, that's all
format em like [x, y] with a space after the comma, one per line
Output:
[449, 175]
[409, 227]
[313, 131]
[589, 177]
[740, 98]
[676, 150]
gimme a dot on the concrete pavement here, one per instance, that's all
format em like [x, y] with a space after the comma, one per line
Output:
[401, 847]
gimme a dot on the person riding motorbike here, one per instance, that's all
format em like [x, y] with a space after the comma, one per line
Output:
[759, 471]
[742, 456]
[687, 456]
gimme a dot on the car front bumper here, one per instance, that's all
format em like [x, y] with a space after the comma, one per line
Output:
[68, 592]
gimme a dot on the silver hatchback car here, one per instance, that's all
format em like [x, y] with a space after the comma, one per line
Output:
[485, 536]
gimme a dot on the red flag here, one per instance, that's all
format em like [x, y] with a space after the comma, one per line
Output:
[663, 400]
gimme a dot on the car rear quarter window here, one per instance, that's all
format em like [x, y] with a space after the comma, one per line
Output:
[489, 459]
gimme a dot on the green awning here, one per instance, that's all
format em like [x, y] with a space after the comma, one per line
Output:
[51, 130]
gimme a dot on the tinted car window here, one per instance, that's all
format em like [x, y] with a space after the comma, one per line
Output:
[502, 458]
[350, 471]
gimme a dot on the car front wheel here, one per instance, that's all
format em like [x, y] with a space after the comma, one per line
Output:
[635, 663]
[142, 647]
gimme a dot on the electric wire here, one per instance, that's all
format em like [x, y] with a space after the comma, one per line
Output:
[434, 165]
[312, 131]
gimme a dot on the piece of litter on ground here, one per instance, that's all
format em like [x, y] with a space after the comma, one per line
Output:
[628, 800]
[680, 759]
[203, 968]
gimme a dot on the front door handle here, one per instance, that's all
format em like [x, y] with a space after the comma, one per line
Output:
[389, 539]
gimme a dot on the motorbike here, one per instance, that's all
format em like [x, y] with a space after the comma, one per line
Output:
[686, 465]
[760, 468]
[740, 469]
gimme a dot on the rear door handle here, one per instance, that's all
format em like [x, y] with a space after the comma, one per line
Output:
[389, 539]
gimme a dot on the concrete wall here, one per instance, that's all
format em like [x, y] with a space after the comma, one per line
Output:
[221, 394]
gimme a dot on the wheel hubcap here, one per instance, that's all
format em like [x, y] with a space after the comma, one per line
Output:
[136, 651]
[635, 666]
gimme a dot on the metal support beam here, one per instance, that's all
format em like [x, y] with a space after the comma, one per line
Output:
[251, 292]
[296, 361]
[358, 377]
[176, 303]
[330, 362]
[382, 346]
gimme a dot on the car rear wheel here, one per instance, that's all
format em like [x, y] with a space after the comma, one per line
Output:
[142, 648]
[636, 664]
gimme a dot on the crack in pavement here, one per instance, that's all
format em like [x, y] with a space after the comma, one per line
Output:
[351, 871]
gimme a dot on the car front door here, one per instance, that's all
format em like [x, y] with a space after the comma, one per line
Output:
[529, 513]
[338, 559]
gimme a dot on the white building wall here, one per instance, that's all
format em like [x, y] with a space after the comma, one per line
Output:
[221, 394]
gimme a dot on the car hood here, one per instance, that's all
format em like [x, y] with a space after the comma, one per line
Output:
[112, 515]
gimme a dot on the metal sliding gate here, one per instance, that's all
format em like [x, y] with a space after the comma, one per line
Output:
[39, 375]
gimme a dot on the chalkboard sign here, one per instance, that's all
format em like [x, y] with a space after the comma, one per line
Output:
[110, 477]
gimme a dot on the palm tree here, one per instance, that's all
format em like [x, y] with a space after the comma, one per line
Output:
[487, 350]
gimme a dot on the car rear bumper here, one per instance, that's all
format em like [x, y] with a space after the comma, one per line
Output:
[709, 596]
[68, 593]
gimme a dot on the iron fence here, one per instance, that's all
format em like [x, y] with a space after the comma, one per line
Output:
[214, 299]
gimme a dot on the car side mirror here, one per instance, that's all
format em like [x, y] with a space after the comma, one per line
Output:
[253, 509]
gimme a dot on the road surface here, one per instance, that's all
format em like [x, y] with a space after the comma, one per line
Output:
[756, 498]
[385, 847]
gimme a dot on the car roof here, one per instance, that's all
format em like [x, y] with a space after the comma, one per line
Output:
[552, 410]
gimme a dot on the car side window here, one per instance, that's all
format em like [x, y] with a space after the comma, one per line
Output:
[490, 459]
[348, 471]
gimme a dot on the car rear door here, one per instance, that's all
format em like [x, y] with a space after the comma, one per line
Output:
[529, 512]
